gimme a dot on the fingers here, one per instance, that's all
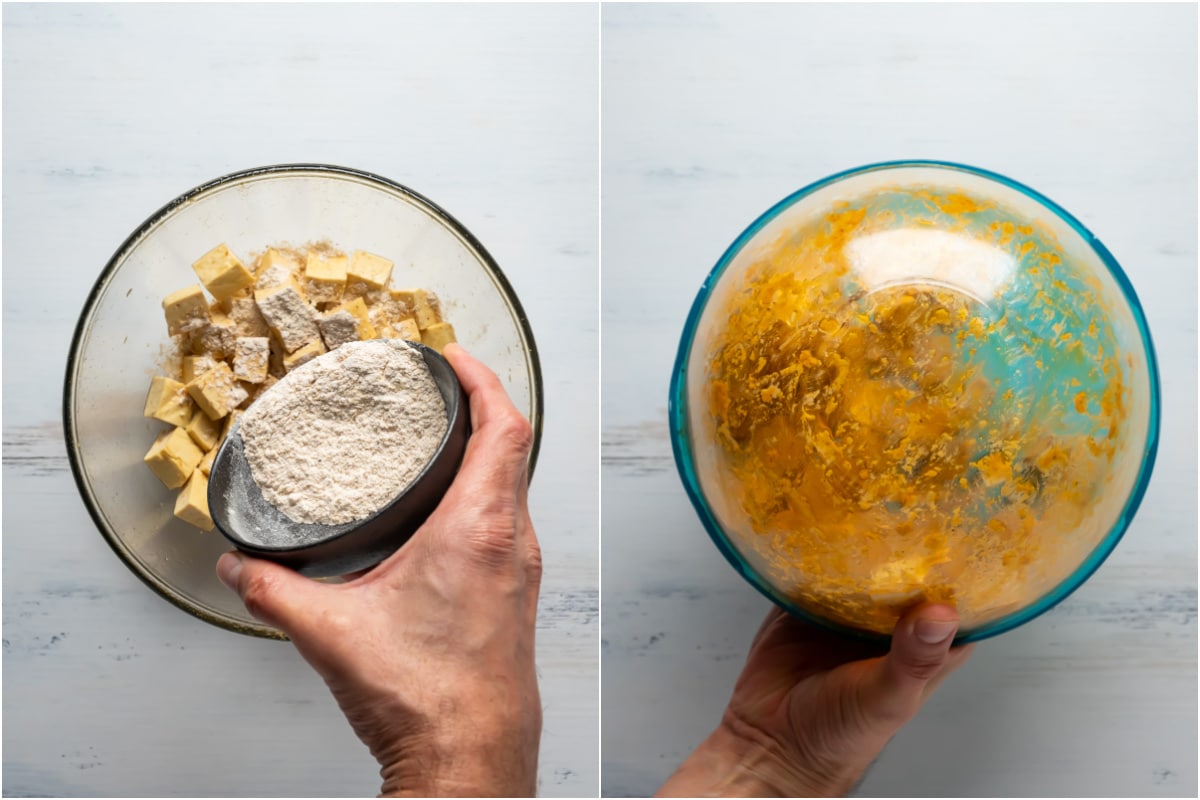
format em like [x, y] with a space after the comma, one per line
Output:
[899, 682]
[501, 439]
[272, 593]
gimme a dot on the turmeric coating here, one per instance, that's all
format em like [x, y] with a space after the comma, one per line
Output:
[887, 435]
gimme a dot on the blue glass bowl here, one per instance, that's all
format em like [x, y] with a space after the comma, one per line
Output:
[915, 381]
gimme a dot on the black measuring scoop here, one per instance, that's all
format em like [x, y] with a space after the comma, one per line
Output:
[257, 528]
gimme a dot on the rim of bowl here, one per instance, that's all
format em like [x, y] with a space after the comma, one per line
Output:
[163, 589]
[679, 428]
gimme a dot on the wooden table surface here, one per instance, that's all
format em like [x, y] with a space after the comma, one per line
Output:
[711, 114]
[111, 111]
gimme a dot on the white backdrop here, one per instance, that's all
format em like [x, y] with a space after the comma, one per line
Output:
[712, 114]
[111, 111]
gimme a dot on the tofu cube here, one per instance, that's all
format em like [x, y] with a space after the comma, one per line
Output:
[366, 329]
[173, 457]
[191, 505]
[289, 316]
[274, 269]
[304, 355]
[407, 329]
[229, 422]
[204, 430]
[339, 327]
[438, 336]
[421, 304]
[186, 310]
[251, 357]
[375, 271]
[217, 338]
[168, 401]
[205, 465]
[324, 277]
[222, 273]
[197, 365]
[247, 321]
[217, 392]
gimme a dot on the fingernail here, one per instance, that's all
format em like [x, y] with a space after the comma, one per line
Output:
[229, 567]
[935, 631]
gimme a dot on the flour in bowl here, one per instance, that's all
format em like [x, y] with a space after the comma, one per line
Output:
[339, 437]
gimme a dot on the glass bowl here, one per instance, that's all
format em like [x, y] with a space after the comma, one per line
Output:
[915, 381]
[121, 341]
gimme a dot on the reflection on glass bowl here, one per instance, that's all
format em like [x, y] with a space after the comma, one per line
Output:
[121, 342]
[916, 382]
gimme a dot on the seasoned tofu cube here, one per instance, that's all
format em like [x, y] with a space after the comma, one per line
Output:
[292, 319]
[407, 329]
[217, 338]
[324, 277]
[173, 457]
[438, 336]
[197, 365]
[366, 330]
[205, 465]
[247, 321]
[217, 392]
[421, 304]
[186, 310]
[275, 269]
[204, 430]
[222, 273]
[375, 271]
[338, 327]
[229, 422]
[191, 505]
[168, 401]
[303, 355]
[250, 358]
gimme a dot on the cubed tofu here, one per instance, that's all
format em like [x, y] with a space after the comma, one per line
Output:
[407, 329]
[247, 321]
[186, 310]
[197, 365]
[304, 355]
[375, 271]
[422, 304]
[438, 336]
[222, 273]
[204, 430]
[229, 423]
[251, 357]
[168, 401]
[205, 465]
[324, 277]
[289, 316]
[275, 269]
[191, 505]
[173, 457]
[217, 392]
[217, 338]
[339, 327]
[366, 330]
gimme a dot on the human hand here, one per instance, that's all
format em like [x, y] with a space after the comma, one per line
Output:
[812, 709]
[430, 654]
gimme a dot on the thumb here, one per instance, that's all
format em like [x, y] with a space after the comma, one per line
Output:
[271, 592]
[897, 684]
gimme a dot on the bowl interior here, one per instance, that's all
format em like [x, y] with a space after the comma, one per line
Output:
[916, 382]
[122, 341]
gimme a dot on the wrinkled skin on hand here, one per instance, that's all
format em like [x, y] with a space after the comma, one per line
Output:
[430, 654]
[812, 709]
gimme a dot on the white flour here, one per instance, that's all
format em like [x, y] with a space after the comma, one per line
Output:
[336, 439]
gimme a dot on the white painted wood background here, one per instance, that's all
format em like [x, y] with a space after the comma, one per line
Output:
[712, 114]
[111, 111]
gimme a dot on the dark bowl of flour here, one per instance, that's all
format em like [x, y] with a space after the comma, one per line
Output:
[337, 465]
